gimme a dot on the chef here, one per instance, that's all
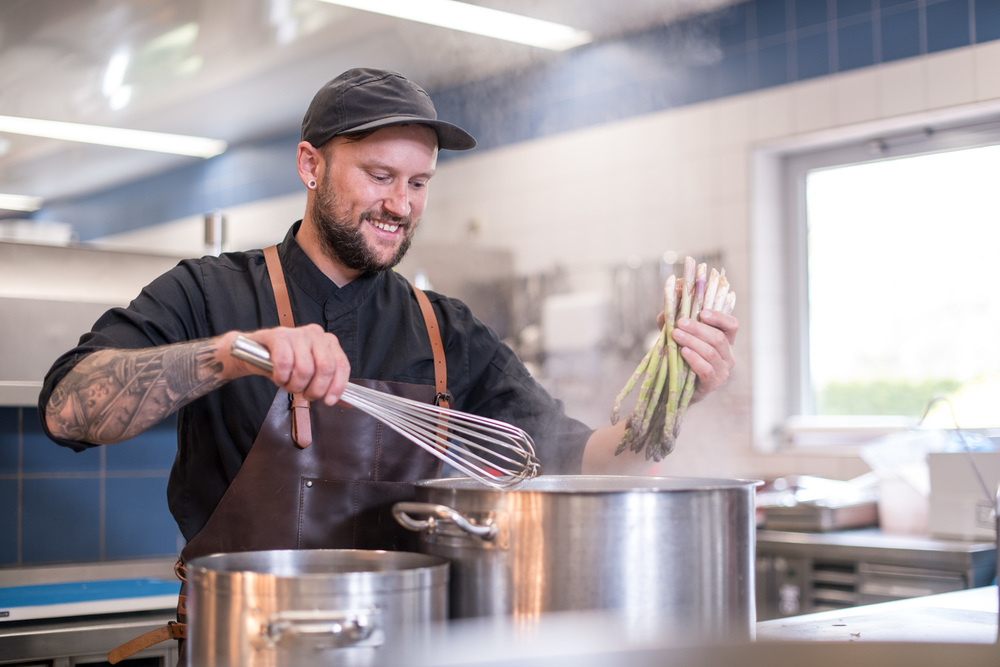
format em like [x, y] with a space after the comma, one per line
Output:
[272, 460]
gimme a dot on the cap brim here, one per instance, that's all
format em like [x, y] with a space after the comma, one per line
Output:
[450, 137]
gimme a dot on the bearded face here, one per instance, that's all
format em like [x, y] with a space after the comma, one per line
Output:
[345, 239]
[369, 198]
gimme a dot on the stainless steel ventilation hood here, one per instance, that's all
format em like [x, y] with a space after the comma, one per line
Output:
[49, 296]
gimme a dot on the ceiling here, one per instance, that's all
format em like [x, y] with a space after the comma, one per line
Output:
[230, 69]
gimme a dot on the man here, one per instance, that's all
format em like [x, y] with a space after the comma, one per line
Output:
[266, 468]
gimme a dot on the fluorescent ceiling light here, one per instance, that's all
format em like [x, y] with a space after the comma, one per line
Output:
[20, 203]
[479, 20]
[160, 142]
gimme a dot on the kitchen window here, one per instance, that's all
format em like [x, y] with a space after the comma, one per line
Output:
[890, 292]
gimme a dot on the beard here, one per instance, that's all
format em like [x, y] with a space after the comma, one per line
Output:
[346, 242]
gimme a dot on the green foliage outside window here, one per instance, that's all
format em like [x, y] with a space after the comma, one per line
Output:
[882, 397]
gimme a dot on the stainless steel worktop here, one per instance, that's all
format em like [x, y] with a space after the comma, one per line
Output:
[860, 544]
[968, 617]
[54, 574]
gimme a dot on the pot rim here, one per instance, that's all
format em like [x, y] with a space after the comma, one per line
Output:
[596, 484]
[319, 564]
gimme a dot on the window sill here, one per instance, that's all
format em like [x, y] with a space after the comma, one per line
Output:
[838, 434]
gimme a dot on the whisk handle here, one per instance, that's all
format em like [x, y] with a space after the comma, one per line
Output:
[401, 512]
[251, 352]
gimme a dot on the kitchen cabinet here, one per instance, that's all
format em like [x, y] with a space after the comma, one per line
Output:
[802, 573]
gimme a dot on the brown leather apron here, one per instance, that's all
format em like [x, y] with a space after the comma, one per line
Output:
[334, 493]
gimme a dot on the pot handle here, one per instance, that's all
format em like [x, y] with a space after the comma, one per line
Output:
[401, 511]
[326, 629]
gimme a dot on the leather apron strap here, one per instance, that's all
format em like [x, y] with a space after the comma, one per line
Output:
[437, 349]
[301, 426]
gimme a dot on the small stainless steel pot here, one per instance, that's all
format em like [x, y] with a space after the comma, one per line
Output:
[311, 607]
[666, 555]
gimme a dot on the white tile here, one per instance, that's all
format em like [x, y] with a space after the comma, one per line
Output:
[987, 65]
[855, 96]
[695, 178]
[812, 105]
[771, 114]
[951, 78]
[694, 127]
[902, 87]
[732, 122]
[729, 174]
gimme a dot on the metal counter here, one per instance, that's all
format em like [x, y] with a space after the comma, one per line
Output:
[800, 573]
[963, 617]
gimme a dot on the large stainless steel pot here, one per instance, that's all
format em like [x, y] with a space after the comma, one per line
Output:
[311, 607]
[664, 555]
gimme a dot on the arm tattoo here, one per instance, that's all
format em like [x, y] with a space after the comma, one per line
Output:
[113, 395]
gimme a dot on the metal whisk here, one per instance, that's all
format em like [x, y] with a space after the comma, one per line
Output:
[493, 452]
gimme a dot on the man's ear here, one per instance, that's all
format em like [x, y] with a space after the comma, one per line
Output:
[309, 163]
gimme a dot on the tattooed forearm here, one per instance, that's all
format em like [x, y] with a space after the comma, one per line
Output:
[113, 395]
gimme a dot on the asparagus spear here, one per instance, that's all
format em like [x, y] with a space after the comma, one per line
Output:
[630, 385]
[700, 286]
[665, 371]
[730, 303]
[720, 295]
[673, 361]
[658, 371]
[711, 288]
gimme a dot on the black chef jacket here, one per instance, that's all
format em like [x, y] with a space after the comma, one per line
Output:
[379, 326]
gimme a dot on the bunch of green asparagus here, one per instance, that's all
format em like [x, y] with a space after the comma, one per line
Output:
[667, 383]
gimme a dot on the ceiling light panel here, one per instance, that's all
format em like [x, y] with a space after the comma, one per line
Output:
[160, 142]
[20, 203]
[477, 20]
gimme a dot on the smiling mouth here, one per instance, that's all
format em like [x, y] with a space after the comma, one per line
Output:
[385, 226]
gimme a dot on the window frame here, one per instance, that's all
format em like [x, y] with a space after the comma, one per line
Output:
[782, 401]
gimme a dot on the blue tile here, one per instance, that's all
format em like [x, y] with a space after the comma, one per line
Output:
[733, 73]
[812, 56]
[137, 521]
[60, 520]
[677, 87]
[733, 25]
[771, 18]
[810, 12]
[9, 418]
[987, 20]
[948, 25]
[8, 521]
[10, 439]
[851, 8]
[889, 4]
[153, 450]
[41, 455]
[900, 35]
[855, 46]
[772, 65]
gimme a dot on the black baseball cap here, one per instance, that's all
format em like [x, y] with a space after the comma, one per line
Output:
[366, 99]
